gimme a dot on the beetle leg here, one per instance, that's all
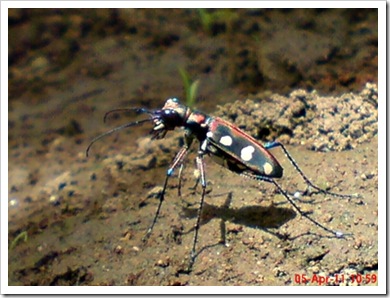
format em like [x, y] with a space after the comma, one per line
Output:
[180, 179]
[337, 234]
[176, 161]
[308, 182]
[202, 177]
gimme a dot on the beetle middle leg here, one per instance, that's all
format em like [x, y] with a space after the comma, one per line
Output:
[202, 177]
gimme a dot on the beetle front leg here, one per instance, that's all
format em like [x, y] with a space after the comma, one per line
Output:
[178, 160]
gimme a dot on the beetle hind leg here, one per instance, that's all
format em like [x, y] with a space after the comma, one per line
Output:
[271, 145]
[336, 234]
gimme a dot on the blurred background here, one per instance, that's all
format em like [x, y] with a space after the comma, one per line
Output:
[229, 50]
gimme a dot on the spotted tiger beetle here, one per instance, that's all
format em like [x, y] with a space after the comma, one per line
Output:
[227, 145]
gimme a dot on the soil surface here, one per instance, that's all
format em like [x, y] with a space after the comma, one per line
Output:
[306, 78]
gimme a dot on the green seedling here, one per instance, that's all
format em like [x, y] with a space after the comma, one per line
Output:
[206, 19]
[22, 236]
[190, 87]
[224, 16]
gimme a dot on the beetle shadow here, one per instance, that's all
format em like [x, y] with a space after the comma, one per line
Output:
[254, 216]
[267, 219]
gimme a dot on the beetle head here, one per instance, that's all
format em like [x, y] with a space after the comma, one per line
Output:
[172, 115]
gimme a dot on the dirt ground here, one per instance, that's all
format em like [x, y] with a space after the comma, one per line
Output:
[304, 77]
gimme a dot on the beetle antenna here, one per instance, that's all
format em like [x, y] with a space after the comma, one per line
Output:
[116, 129]
[137, 110]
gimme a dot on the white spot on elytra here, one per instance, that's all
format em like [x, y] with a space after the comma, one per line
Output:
[226, 140]
[247, 153]
[204, 145]
[267, 168]
[209, 134]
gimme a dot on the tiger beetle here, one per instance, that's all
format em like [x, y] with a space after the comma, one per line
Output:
[227, 145]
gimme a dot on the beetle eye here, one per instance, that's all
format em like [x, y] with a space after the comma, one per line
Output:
[170, 115]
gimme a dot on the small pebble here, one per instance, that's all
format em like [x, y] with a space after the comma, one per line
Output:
[163, 263]
[118, 250]
[13, 202]
[297, 195]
